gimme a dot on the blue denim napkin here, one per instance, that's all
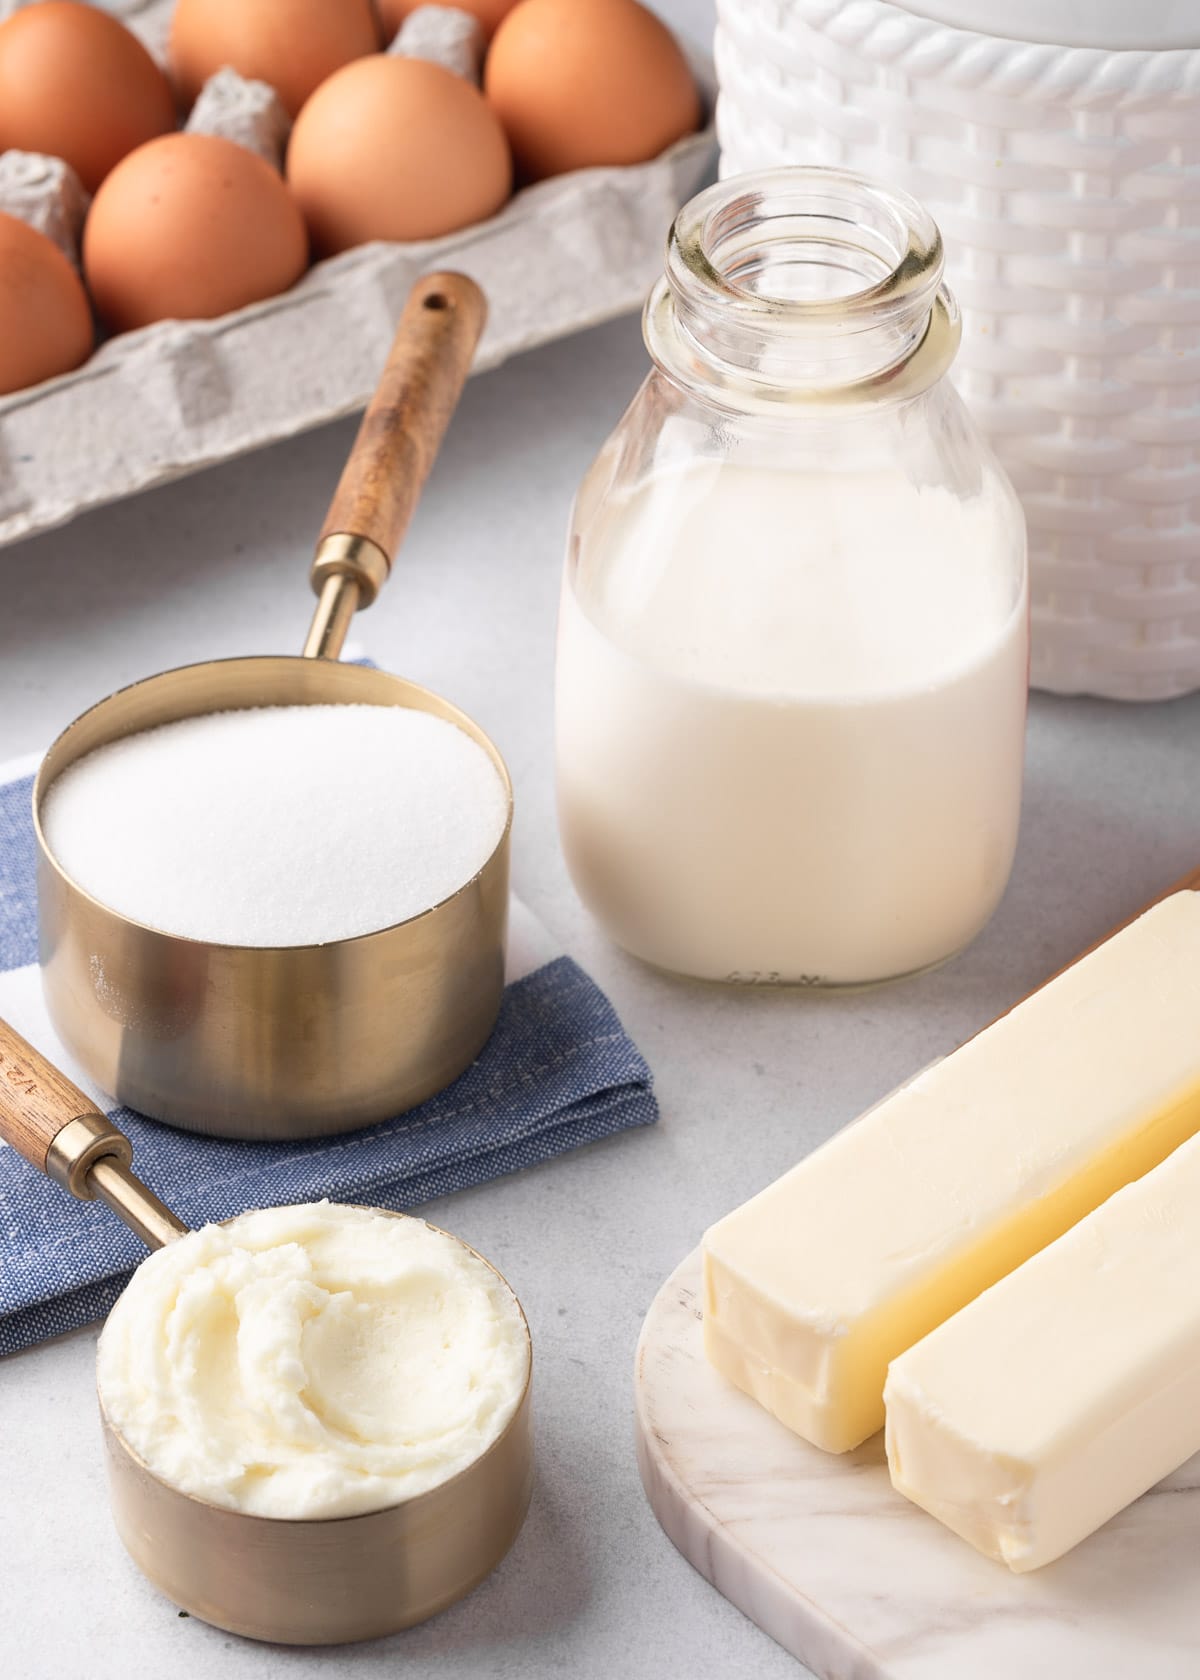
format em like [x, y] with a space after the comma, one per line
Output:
[558, 1071]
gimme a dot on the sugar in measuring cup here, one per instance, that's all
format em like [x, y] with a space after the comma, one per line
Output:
[273, 892]
[316, 1419]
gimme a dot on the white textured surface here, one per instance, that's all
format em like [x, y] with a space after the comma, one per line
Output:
[861, 1584]
[152, 405]
[1063, 180]
[748, 1081]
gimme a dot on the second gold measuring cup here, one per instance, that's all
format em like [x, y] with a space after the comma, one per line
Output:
[318, 1581]
[296, 1041]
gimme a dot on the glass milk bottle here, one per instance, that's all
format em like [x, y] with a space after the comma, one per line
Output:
[793, 638]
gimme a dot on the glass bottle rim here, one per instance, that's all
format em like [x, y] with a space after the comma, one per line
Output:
[709, 327]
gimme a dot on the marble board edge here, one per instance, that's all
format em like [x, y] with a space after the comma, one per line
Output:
[791, 1619]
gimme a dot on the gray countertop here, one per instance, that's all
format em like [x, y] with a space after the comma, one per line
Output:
[748, 1081]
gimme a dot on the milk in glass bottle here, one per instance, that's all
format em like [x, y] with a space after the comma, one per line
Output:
[793, 638]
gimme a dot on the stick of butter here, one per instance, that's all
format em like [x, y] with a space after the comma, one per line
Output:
[817, 1283]
[1068, 1389]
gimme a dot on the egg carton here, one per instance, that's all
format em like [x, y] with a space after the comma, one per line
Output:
[155, 405]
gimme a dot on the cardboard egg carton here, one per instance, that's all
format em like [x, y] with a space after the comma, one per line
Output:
[157, 404]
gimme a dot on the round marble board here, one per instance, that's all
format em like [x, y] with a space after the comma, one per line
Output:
[860, 1584]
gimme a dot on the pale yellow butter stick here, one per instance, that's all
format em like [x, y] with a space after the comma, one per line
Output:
[816, 1284]
[1047, 1405]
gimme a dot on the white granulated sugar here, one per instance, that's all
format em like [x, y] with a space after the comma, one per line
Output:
[285, 825]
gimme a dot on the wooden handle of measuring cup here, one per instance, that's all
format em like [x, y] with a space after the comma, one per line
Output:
[397, 442]
[53, 1125]
[38, 1104]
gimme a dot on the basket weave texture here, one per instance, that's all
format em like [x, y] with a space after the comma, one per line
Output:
[1066, 181]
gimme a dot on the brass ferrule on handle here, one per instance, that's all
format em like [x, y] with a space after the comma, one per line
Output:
[347, 574]
[52, 1124]
[75, 1150]
[396, 445]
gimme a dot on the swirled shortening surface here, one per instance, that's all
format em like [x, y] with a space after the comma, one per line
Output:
[313, 1361]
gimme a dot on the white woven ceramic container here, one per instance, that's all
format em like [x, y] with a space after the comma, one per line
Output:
[1066, 180]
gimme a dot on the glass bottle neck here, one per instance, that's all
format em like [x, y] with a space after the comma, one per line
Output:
[802, 285]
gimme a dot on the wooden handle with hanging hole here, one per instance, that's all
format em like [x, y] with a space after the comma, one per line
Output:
[407, 417]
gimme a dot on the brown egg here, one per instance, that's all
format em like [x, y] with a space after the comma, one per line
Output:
[76, 84]
[489, 12]
[292, 44]
[395, 148]
[45, 317]
[582, 82]
[190, 226]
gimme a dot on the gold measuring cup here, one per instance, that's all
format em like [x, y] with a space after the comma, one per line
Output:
[298, 1041]
[294, 1582]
